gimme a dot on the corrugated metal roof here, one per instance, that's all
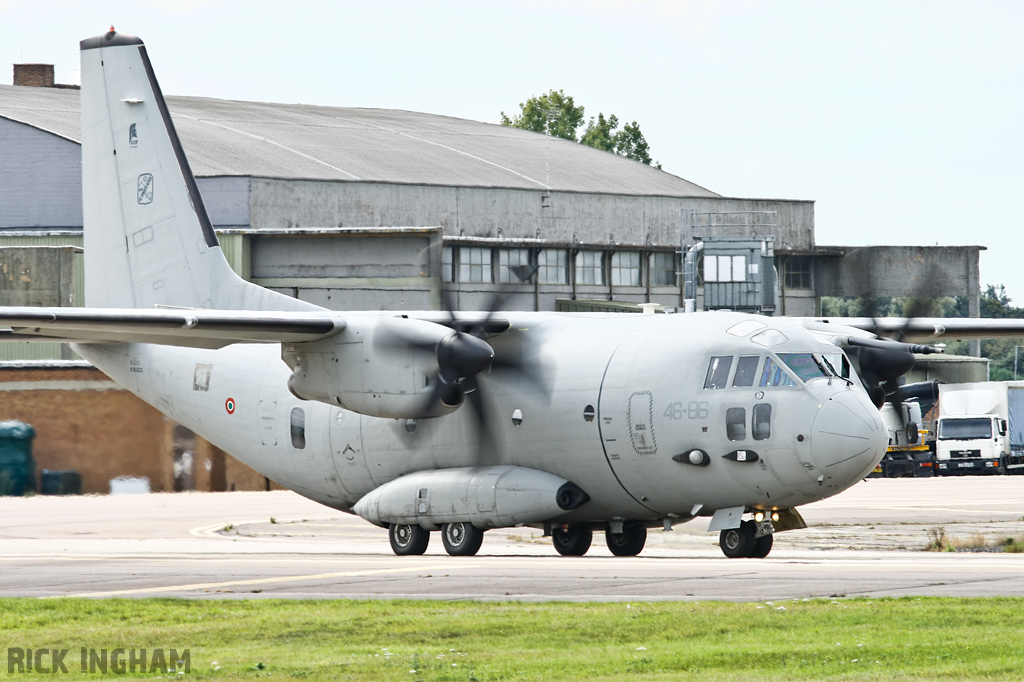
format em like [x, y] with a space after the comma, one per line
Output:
[295, 141]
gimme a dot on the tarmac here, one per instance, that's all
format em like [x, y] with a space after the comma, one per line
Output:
[868, 541]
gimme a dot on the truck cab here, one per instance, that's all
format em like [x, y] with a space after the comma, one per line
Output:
[973, 444]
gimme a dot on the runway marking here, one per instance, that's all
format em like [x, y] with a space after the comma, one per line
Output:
[255, 581]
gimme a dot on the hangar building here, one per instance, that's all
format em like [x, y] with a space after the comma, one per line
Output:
[373, 208]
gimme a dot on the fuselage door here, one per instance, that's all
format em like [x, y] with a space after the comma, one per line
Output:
[347, 451]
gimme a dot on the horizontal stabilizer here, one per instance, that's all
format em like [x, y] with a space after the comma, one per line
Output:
[178, 327]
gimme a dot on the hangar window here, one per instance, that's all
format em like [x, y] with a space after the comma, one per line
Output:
[796, 272]
[590, 267]
[725, 268]
[514, 266]
[626, 268]
[553, 266]
[447, 264]
[475, 265]
[298, 428]
[663, 269]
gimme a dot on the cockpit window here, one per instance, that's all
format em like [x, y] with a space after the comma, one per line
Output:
[745, 327]
[774, 375]
[718, 372]
[762, 421]
[805, 365]
[769, 338]
[746, 370]
[839, 364]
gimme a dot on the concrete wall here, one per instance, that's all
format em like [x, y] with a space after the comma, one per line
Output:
[899, 271]
[512, 214]
[39, 275]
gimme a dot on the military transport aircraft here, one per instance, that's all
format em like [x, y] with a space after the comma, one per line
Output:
[426, 421]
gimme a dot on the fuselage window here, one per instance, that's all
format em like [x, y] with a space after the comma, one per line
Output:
[736, 423]
[774, 375]
[762, 421]
[746, 370]
[298, 423]
[805, 365]
[718, 372]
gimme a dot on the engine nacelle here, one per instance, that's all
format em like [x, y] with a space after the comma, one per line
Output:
[377, 366]
[487, 497]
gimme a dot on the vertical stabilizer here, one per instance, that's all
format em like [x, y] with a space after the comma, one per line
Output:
[148, 239]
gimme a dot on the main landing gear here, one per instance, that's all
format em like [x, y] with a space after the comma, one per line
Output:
[460, 539]
[576, 540]
[743, 543]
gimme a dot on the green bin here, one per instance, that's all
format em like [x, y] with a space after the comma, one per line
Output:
[17, 468]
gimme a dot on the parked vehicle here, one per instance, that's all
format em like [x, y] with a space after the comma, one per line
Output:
[910, 453]
[980, 429]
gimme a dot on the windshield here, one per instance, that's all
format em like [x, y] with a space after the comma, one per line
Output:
[804, 365]
[965, 429]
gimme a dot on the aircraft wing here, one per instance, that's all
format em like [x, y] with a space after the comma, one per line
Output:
[174, 327]
[918, 329]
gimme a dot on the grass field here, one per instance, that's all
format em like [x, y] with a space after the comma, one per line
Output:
[848, 639]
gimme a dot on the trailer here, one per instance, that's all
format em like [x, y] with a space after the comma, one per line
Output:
[980, 429]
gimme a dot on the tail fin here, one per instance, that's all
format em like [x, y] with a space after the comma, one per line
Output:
[148, 238]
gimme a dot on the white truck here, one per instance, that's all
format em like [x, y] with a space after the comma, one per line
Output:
[980, 429]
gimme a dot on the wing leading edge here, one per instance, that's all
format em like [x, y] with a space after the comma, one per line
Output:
[173, 327]
[919, 329]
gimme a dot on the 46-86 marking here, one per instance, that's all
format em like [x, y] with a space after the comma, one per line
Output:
[692, 410]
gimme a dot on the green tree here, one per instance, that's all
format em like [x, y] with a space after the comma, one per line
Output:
[600, 133]
[630, 142]
[556, 113]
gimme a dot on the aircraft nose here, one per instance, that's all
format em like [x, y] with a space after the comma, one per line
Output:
[847, 435]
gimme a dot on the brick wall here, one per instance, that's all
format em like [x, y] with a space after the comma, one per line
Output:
[85, 421]
[34, 75]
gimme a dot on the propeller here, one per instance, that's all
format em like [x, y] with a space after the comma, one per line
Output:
[884, 362]
[466, 359]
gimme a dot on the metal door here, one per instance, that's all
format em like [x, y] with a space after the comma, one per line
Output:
[347, 450]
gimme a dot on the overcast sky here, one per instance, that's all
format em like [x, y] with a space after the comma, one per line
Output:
[902, 120]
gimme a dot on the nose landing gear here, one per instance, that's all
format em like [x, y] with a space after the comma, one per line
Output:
[745, 543]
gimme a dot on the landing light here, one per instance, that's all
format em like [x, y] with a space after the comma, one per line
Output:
[759, 517]
[775, 516]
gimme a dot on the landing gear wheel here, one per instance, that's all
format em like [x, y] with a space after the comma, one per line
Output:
[762, 546]
[629, 542]
[572, 541]
[408, 540]
[461, 539]
[738, 543]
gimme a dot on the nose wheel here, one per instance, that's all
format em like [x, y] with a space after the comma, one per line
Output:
[743, 543]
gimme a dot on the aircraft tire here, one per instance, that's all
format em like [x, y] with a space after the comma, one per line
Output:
[762, 546]
[573, 541]
[738, 543]
[461, 538]
[629, 542]
[408, 540]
